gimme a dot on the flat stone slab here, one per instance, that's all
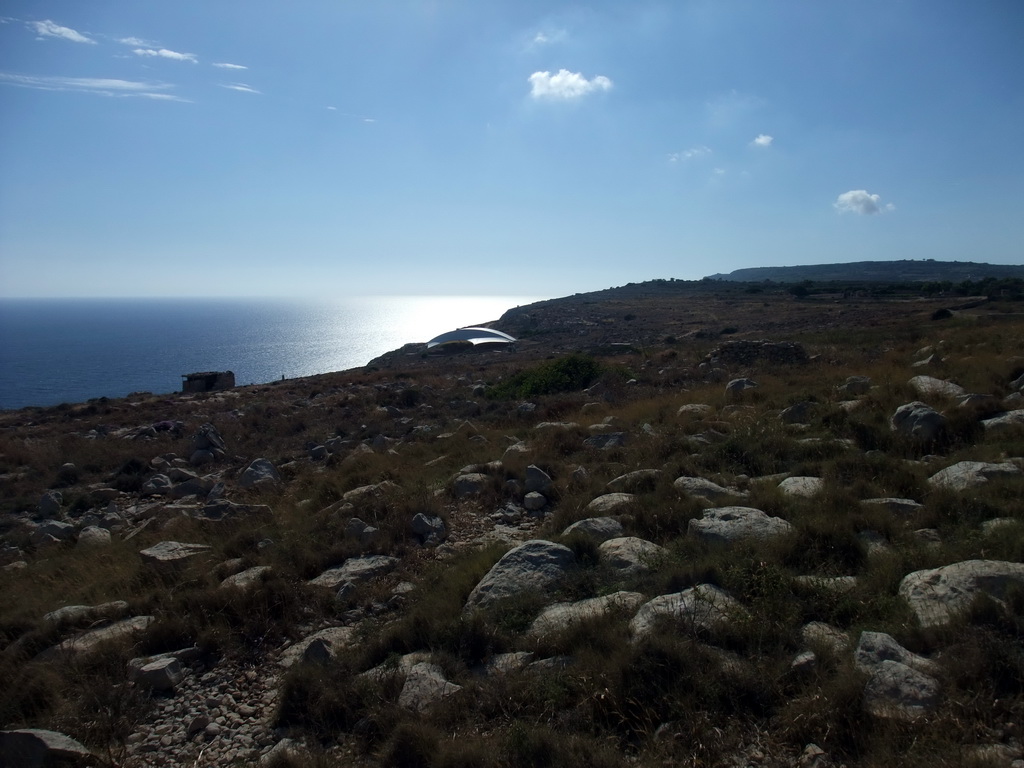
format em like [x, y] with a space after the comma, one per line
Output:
[533, 565]
[703, 488]
[971, 474]
[938, 595]
[89, 641]
[171, 556]
[729, 524]
[561, 616]
[701, 608]
[356, 570]
[926, 386]
[893, 506]
[630, 555]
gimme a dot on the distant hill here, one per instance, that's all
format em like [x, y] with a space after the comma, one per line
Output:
[880, 271]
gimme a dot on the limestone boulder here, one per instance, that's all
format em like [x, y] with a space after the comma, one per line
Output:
[259, 473]
[611, 504]
[36, 748]
[600, 529]
[537, 480]
[93, 537]
[802, 487]
[319, 647]
[356, 570]
[875, 647]
[800, 413]
[636, 482]
[161, 674]
[561, 616]
[87, 642]
[971, 474]
[705, 489]
[928, 386]
[918, 421]
[731, 524]
[533, 565]
[629, 555]
[899, 692]
[855, 385]
[471, 484]
[71, 615]
[703, 608]
[737, 387]
[50, 504]
[1004, 422]
[247, 579]
[170, 557]
[938, 595]
[425, 685]
[429, 530]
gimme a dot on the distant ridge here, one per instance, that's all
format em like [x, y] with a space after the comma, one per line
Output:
[880, 271]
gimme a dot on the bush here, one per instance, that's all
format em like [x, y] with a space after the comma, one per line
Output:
[567, 374]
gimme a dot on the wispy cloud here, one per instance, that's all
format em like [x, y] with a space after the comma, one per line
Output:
[102, 86]
[565, 85]
[163, 53]
[689, 154]
[225, 65]
[763, 140]
[138, 42]
[860, 201]
[239, 87]
[549, 37]
[48, 28]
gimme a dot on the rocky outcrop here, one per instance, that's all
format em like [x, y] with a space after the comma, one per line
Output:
[171, 557]
[971, 474]
[35, 748]
[355, 570]
[918, 421]
[939, 595]
[730, 524]
[534, 565]
[703, 608]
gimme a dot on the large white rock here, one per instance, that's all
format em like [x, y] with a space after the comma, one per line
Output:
[259, 472]
[897, 691]
[937, 595]
[611, 504]
[699, 609]
[560, 616]
[917, 420]
[1004, 421]
[971, 474]
[630, 555]
[425, 685]
[87, 642]
[875, 647]
[926, 386]
[802, 487]
[355, 570]
[600, 529]
[729, 524]
[533, 565]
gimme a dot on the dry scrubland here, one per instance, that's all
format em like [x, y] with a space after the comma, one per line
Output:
[729, 677]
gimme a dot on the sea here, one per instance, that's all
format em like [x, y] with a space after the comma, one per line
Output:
[55, 351]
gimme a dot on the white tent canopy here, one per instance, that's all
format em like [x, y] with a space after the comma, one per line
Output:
[472, 335]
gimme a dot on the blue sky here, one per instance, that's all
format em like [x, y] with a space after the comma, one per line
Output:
[508, 147]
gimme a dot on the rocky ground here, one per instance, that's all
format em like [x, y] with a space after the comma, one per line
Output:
[764, 532]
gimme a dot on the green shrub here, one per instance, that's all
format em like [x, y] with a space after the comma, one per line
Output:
[567, 374]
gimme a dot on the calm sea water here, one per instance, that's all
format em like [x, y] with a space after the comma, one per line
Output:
[69, 350]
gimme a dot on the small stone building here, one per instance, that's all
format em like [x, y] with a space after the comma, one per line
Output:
[207, 381]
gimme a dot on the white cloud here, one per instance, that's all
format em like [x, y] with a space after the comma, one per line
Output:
[862, 202]
[763, 140]
[549, 37]
[138, 42]
[163, 53]
[50, 29]
[99, 85]
[225, 65]
[240, 87]
[565, 85]
[689, 154]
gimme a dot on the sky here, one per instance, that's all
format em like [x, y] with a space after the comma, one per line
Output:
[337, 148]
